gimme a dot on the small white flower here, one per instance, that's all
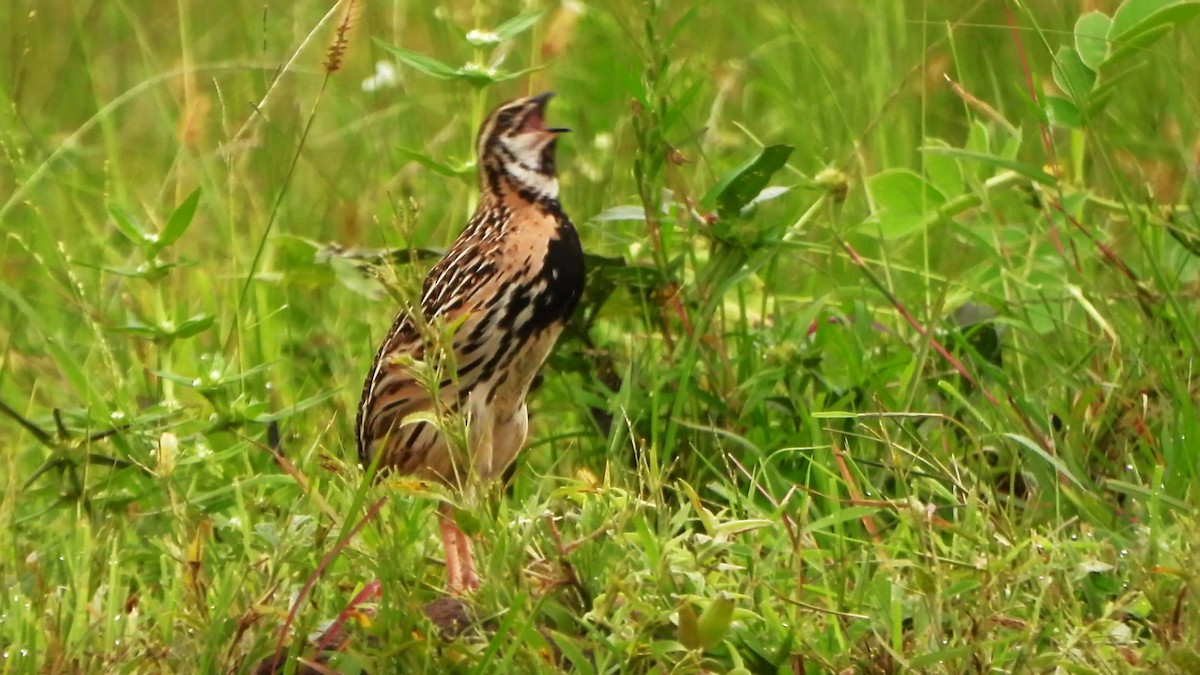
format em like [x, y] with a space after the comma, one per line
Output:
[482, 38]
[385, 77]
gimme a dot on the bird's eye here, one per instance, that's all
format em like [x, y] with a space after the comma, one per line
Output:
[505, 118]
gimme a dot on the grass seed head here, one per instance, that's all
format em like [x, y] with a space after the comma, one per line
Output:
[341, 39]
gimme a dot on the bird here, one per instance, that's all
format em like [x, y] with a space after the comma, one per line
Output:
[490, 312]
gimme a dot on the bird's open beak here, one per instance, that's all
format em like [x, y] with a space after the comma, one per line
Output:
[537, 119]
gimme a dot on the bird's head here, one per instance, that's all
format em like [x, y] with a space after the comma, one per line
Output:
[516, 147]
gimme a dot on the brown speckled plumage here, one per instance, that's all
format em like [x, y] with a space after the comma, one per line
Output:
[510, 282]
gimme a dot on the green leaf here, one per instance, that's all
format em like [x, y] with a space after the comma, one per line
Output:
[740, 186]
[621, 212]
[128, 226]
[167, 330]
[1028, 170]
[440, 168]
[1104, 91]
[1071, 75]
[714, 621]
[1139, 23]
[425, 64]
[1061, 468]
[841, 516]
[150, 271]
[979, 141]
[178, 223]
[901, 199]
[732, 527]
[1061, 112]
[350, 274]
[1091, 38]
[135, 327]
[579, 661]
[471, 72]
[193, 326]
[295, 408]
[1143, 492]
[517, 25]
[943, 171]
[688, 630]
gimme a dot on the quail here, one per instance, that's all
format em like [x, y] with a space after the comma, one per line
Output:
[500, 297]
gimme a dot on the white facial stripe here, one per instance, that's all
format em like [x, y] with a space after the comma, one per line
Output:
[546, 186]
[526, 150]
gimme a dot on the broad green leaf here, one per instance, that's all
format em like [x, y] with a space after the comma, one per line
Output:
[1139, 23]
[714, 621]
[943, 171]
[979, 140]
[1028, 170]
[1061, 112]
[178, 223]
[902, 202]
[193, 326]
[1136, 16]
[1091, 38]
[740, 186]
[1071, 75]
[425, 64]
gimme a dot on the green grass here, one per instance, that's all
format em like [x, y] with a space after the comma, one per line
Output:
[932, 409]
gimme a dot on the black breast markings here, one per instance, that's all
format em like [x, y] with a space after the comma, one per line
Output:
[549, 295]
[562, 274]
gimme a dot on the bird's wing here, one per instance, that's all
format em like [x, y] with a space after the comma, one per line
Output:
[458, 300]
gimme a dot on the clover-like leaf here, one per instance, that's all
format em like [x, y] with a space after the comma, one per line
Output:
[1139, 23]
[1072, 75]
[902, 200]
[1091, 38]
[1062, 112]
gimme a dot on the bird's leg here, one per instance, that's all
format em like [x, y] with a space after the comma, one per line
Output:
[460, 564]
[450, 535]
[466, 561]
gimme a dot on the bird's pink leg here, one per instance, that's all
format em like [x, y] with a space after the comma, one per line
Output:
[460, 564]
[450, 535]
[470, 579]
